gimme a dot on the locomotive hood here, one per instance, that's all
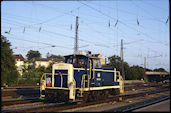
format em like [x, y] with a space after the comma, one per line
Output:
[65, 69]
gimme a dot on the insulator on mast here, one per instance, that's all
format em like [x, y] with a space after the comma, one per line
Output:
[71, 27]
[137, 22]
[9, 30]
[40, 29]
[24, 30]
[167, 20]
[116, 23]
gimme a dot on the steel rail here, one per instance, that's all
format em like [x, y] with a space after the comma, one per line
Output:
[115, 98]
[138, 105]
[33, 107]
[51, 106]
[147, 104]
[25, 91]
[19, 101]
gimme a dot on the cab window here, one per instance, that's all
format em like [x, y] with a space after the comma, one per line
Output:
[96, 63]
[70, 61]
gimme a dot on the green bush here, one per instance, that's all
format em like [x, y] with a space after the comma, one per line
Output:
[31, 74]
[29, 81]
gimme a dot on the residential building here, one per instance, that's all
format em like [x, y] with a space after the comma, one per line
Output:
[102, 61]
[46, 61]
[19, 62]
[38, 61]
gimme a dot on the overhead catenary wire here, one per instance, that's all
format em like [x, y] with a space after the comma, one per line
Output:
[24, 30]
[54, 25]
[40, 42]
[59, 34]
[82, 40]
[127, 12]
[99, 35]
[45, 21]
[89, 42]
[116, 25]
[119, 21]
[147, 12]
[55, 17]
[148, 3]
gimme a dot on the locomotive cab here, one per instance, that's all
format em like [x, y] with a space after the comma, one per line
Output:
[81, 61]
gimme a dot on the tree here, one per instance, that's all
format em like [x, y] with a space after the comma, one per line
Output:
[31, 74]
[9, 73]
[115, 62]
[33, 54]
[160, 70]
[54, 56]
[148, 69]
[126, 69]
[131, 73]
[135, 73]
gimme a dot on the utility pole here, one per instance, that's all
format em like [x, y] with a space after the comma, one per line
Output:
[76, 37]
[144, 64]
[122, 60]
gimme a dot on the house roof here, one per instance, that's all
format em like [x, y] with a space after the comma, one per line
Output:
[156, 73]
[67, 56]
[48, 59]
[96, 55]
[19, 56]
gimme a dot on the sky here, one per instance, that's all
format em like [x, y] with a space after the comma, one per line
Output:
[49, 26]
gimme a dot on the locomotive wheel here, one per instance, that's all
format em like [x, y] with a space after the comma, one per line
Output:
[91, 97]
[99, 95]
[117, 91]
[95, 95]
[57, 96]
[85, 96]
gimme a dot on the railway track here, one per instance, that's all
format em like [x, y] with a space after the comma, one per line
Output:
[138, 105]
[20, 101]
[34, 90]
[51, 107]
[17, 92]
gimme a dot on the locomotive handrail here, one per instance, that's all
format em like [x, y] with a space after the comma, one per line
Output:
[114, 74]
[89, 71]
[121, 82]
[74, 86]
[44, 74]
[89, 76]
[93, 71]
[42, 84]
[83, 81]
[60, 74]
[122, 86]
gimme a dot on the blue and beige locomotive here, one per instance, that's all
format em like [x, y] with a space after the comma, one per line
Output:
[81, 77]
